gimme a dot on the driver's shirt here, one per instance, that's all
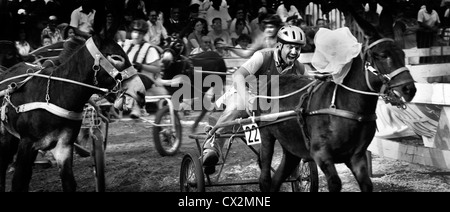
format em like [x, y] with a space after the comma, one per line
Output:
[267, 62]
[140, 53]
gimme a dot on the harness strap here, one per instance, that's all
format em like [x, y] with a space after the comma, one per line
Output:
[52, 108]
[344, 113]
[5, 124]
[107, 66]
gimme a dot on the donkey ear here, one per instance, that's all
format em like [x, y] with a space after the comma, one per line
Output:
[100, 19]
[103, 9]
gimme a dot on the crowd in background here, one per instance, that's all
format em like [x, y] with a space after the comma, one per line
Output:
[207, 25]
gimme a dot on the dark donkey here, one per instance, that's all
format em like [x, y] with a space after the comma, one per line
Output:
[338, 122]
[44, 111]
[203, 65]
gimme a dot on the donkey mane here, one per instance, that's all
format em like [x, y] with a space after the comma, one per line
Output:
[71, 46]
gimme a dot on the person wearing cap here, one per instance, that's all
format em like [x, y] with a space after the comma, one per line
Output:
[143, 55]
[267, 39]
[281, 60]
[51, 30]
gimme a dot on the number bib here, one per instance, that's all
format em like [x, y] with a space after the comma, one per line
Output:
[252, 134]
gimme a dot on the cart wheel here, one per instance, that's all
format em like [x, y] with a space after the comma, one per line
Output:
[98, 155]
[167, 138]
[191, 174]
[307, 177]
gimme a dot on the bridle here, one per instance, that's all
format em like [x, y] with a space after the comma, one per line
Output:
[100, 62]
[386, 91]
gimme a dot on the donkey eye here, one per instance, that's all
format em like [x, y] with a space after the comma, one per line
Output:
[381, 56]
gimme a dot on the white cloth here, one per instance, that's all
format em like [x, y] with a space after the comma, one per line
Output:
[334, 50]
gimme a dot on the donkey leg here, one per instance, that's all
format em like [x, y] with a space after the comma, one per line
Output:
[284, 170]
[23, 166]
[198, 119]
[358, 166]
[265, 155]
[326, 164]
[63, 153]
[8, 148]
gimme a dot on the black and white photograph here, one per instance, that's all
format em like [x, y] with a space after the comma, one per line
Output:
[238, 97]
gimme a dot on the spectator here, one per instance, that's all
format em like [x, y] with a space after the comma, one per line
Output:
[255, 23]
[302, 24]
[240, 14]
[68, 33]
[241, 29]
[82, 19]
[195, 37]
[287, 9]
[124, 30]
[446, 20]
[370, 13]
[204, 46]
[194, 12]
[110, 29]
[137, 8]
[242, 43]
[320, 23]
[51, 30]
[216, 10]
[312, 12]
[309, 46]
[257, 32]
[268, 39]
[174, 25]
[203, 7]
[429, 21]
[219, 32]
[293, 21]
[219, 43]
[156, 32]
[22, 44]
[405, 29]
[46, 40]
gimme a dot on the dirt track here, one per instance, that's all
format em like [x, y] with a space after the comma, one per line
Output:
[133, 165]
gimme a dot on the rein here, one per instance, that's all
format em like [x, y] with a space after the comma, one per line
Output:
[99, 62]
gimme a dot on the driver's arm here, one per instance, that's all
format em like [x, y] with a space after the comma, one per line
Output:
[248, 68]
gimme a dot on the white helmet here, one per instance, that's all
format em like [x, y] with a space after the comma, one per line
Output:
[291, 34]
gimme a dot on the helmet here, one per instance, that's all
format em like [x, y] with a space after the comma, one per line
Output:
[139, 25]
[291, 34]
[273, 19]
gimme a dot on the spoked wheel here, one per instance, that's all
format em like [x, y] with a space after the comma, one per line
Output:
[191, 174]
[167, 136]
[307, 177]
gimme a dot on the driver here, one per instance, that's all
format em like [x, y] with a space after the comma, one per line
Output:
[280, 60]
